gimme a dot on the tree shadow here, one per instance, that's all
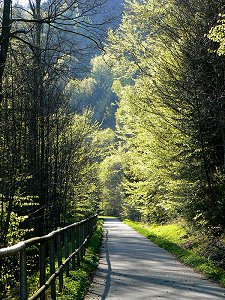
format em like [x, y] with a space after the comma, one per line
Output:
[109, 270]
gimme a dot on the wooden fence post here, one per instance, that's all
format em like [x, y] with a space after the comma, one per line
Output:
[59, 257]
[42, 266]
[52, 266]
[23, 274]
[66, 251]
[73, 241]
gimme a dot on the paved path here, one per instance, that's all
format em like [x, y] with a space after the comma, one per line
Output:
[132, 267]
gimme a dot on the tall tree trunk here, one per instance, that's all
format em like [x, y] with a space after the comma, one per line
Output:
[37, 127]
[205, 163]
[4, 40]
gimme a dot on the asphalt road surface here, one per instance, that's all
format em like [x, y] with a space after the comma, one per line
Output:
[132, 267]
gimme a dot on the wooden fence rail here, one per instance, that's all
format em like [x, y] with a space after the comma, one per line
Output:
[62, 249]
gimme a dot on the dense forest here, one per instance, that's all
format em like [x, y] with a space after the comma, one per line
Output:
[49, 145]
[123, 115]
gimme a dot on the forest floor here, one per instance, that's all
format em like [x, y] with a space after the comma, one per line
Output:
[132, 267]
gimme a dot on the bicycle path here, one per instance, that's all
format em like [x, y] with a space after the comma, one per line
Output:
[132, 267]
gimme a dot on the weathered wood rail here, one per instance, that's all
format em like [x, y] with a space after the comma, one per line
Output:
[62, 249]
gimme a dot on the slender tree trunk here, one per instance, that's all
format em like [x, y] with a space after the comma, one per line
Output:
[4, 41]
[37, 128]
[208, 179]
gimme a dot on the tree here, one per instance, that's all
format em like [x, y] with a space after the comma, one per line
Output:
[166, 72]
[65, 16]
[111, 174]
[95, 92]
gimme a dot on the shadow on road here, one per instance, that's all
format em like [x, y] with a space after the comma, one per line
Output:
[109, 271]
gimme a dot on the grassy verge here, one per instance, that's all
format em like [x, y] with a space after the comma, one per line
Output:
[107, 217]
[77, 284]
[173, 238]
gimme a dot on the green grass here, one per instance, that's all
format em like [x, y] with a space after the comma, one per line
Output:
[172, 238]
[106, 217]
[77, 284]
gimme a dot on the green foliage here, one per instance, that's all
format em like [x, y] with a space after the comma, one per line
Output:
[169, 118]
[80, 181]
[141, 183]
[95, 92]
[216, 34]
[110, 175]
[104, 141]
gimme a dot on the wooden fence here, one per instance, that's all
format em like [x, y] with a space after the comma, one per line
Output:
[59, 251]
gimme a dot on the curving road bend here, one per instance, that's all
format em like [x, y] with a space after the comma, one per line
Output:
[132, 267]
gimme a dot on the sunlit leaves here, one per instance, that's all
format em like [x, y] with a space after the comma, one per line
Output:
[217, 34]
[166, 121]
